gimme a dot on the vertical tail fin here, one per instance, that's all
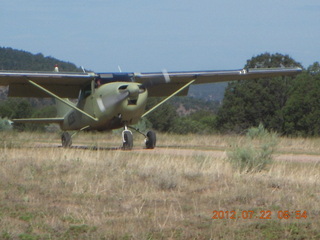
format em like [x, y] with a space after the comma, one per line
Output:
[62, 108]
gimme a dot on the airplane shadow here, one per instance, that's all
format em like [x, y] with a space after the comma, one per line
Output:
[82, 147]
[94, 148]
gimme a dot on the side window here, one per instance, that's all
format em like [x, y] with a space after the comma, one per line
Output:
[85, 92]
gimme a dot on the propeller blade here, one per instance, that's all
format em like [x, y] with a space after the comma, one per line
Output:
[166, 75]
[165, 78]
[107, 102]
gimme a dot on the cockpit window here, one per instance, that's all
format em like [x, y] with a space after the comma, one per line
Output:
[114, 77]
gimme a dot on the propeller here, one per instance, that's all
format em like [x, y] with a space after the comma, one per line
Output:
[108, 101]
[132, 90]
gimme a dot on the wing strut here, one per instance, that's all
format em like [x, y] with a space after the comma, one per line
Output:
[167, 98]
[62, 100]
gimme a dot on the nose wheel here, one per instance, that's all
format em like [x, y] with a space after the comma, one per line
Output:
[127, 139]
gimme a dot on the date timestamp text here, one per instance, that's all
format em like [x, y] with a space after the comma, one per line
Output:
[264, 214]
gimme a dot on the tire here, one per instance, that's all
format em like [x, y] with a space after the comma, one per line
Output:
[127, 140]
[66, 140]
[151, 140]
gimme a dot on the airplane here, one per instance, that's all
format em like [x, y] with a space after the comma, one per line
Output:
[109, 101]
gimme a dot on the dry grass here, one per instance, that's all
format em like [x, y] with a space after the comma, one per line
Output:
[49, 192]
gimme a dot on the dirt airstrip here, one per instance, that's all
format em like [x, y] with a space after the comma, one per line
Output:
[189, 152]
[223, 154]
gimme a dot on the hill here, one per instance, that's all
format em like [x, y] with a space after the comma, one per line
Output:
[12, 59]
[208, 92]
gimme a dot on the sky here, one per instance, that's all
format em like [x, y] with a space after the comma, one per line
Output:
[176, 35]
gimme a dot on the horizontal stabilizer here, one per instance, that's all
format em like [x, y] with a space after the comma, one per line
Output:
[39, 120]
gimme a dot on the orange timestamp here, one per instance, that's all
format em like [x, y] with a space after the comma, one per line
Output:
[263, 214]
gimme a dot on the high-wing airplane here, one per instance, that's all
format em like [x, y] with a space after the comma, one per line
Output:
[114, 100]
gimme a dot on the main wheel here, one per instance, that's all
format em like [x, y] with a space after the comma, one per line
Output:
[127, 140]
[66, 140]
[151, 140]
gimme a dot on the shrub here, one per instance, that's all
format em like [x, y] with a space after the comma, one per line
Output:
[257, 132]
[256, 153]
[5, 124]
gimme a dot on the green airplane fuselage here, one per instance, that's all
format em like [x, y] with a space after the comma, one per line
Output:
[114, 105]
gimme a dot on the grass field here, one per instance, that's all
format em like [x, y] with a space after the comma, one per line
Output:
[172, 192]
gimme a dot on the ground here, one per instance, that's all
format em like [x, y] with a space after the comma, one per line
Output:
[183, 189]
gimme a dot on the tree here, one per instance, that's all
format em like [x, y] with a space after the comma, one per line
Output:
[166, 119]
[314, 68]
[302, 111]
[201, 122]
[248, 103]
[16, 108]
[163, 117]
[43, 112]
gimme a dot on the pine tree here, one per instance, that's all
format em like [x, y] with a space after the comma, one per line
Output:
[248, 103]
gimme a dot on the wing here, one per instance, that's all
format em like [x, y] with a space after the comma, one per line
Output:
[66, 85]
[179, 79]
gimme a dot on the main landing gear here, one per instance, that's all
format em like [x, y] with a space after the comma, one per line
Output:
[127, 139]
[66, 140]
[151, 140]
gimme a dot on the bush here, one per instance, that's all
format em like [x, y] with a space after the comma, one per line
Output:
[184, 125]
[5, 124]
[257, 132]
[200, 122]
[256, 153]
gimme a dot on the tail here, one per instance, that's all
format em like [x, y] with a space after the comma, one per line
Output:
[62, 108]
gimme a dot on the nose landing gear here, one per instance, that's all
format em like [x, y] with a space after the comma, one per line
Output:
[127, 139]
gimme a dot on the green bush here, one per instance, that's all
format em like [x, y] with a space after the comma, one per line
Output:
[256, 153]
[257, 132]
[5, 124]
